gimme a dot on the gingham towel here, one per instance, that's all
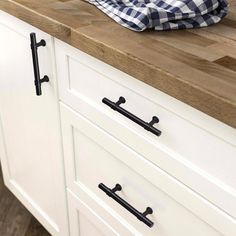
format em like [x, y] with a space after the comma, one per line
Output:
[139, 15]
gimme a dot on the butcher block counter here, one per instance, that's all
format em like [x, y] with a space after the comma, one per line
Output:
[198, 66]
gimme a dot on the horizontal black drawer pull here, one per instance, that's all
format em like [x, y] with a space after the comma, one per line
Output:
[141, 216]
[34, 47]
[148, 126]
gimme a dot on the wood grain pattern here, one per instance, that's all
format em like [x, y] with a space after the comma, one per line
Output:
[196, 66]
[15, 220]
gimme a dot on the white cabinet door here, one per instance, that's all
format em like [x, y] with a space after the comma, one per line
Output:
[30, 145]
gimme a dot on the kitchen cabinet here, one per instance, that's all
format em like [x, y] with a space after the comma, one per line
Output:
[85, 132]
[97, 159]
[167, 172]
[30, 133]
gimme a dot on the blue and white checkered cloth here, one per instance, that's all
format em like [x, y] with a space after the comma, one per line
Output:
[139, 15]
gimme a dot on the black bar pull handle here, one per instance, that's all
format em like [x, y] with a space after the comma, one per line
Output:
[146, 125]
[34, 47]
[141, 216]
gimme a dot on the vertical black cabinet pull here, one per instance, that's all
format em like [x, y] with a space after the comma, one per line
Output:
[146, 125]
[34, 47]
[141, 216]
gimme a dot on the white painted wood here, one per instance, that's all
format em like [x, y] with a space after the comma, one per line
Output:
[30, 145]
[93, 156]
[119, 225]
[84, 221]
[171, 104]
[194, 148]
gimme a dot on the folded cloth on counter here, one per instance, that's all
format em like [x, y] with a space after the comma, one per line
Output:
[139, 15]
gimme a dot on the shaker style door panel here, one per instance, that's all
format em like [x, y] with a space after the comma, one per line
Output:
[30, 146]
[96, 163]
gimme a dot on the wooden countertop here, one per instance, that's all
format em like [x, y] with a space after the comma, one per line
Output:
[195, 66]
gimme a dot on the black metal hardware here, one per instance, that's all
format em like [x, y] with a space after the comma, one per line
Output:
[148, 126]
[34, 47]
[141, 216]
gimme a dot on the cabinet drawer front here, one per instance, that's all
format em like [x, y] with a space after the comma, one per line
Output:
[92, 157]
[84, 221]
[195, 155]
